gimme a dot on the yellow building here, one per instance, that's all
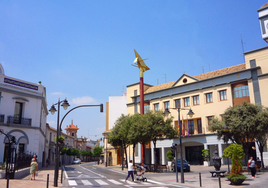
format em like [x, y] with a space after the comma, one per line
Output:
[208, 95]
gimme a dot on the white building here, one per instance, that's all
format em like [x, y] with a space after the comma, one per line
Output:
[23, 114]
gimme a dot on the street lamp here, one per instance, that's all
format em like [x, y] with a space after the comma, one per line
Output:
[53, 110]
[190, 113]
[226, 138]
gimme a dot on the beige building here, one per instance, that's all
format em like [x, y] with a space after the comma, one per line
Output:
[208, 95]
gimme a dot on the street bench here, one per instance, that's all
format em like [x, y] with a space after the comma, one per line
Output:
[217, 173]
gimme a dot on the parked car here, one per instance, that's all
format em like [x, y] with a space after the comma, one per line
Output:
[186, 166]
[76, 161]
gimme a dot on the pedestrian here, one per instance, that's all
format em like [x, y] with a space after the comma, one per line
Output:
[47, 162]
[130, 170]
[33, 169]
[252, 167]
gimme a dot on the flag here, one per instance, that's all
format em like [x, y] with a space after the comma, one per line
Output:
[183, 130]
[188, 127]
[179, 129]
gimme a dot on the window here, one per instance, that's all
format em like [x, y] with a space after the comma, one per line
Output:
[18, 113]
[223, 95]
[209, 118]
[196, 100]
[209, 98]
[72, 134]
[146, 108]
[186, 101]
[166, 105]
[191, 126]
[241, 91]
[199, 125]
[177, 103]
[156, 107]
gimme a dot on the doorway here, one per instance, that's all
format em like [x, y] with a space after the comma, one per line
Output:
[194, 154]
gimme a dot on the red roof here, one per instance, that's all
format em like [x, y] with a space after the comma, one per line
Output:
[71, 127]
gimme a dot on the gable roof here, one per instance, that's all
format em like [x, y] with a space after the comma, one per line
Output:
[199, 77]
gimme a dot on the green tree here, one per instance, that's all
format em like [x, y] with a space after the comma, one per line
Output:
[63, 151]
[158, 128]
[97, 151]
[245, 123]
[119, 134]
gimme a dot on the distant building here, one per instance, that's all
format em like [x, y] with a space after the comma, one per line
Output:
[23, 114]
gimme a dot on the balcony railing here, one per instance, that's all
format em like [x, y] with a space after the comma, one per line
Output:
[2, 118]
[18, 120]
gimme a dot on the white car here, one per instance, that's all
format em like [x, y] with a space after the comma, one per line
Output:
[77, 161]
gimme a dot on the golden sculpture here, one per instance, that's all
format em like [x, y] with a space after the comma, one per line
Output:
[139, 62]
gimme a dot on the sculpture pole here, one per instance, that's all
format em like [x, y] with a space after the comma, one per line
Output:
[142, 66]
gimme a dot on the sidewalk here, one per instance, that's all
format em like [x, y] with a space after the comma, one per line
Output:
[40, 180]
[192, 178]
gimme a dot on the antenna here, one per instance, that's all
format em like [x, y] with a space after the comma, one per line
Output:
[242, 43]
[123, 89]
[165, 78]
[203, 69]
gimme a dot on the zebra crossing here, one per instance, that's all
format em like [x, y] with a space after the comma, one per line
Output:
[110, 182]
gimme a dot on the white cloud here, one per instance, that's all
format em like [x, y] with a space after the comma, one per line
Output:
[56, 93]
[83, 100]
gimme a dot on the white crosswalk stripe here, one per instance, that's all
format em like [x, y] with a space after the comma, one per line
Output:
[101, 182]
[72, 182]
[115, 182]
[86, 182]
[112, 181]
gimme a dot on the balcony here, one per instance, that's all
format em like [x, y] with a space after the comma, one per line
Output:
[18, 120]
[2, 118]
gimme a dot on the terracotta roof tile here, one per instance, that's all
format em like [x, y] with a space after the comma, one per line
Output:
[200, 77]
[266, 4]
[72, 126]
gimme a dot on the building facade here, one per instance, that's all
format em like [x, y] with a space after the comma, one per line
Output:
[23, 114]
[114, 109]
[208, 95]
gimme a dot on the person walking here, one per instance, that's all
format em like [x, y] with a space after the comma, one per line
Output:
[47, 162]
[252, 167]
[130, 170]
[33, 169]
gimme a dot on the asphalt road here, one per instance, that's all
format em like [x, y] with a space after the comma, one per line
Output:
[86, 175]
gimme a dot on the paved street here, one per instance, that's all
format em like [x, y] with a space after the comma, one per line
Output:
[92, 175]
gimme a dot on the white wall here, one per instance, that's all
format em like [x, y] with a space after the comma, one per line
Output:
[117, 107]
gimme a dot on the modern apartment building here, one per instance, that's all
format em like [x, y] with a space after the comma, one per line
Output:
[208, 95]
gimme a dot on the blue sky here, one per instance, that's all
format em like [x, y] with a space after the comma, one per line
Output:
[83, 50]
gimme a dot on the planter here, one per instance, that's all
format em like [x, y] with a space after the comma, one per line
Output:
[237, 182]
[206, 163]
[169, 165]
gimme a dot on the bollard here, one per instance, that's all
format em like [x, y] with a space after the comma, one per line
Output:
[200, 181]
[61, 175]
[7, 182]
[219, 181]
[47, 180]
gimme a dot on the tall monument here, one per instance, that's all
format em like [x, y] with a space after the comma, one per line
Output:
[143, 67]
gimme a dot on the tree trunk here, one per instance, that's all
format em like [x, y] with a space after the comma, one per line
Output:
[154, 142]
[126, 156]
[134, 145]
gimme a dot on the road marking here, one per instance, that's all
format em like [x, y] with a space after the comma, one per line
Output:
[115, 182]
[117, 171]
[65, 174]
[101, 182]
[93, 172]
[72, 182]
[155, 182]
[86, 182]
[129, 182]
[146, 183]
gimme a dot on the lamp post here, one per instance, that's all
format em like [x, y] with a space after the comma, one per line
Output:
[106, 140]
[226, 138]
[190, 113]
[53, 110]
